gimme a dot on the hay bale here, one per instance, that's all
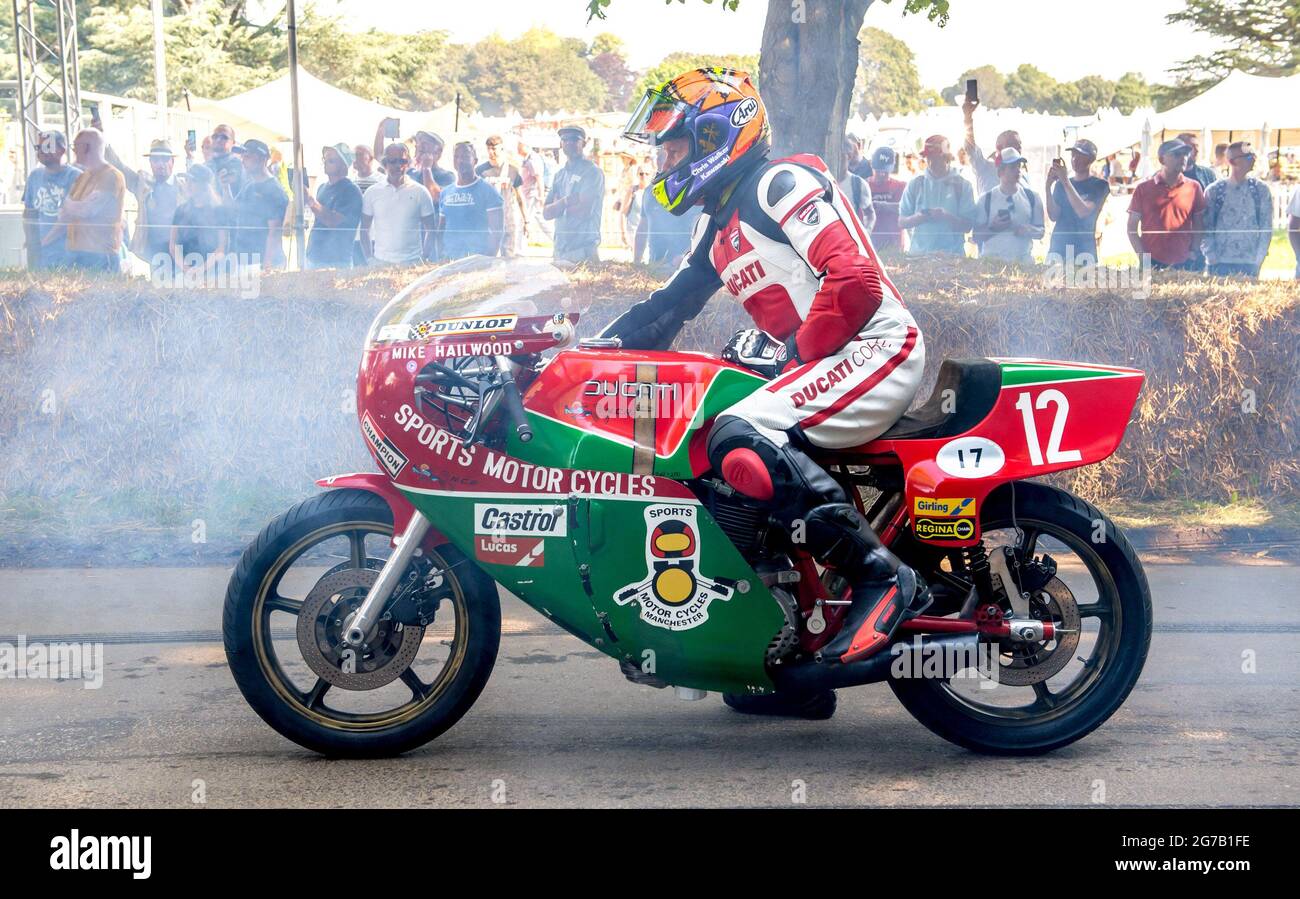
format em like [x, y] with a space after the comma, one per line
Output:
[122, 403]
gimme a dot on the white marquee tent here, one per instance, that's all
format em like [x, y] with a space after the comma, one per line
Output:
[327, 115]
[1239, 102]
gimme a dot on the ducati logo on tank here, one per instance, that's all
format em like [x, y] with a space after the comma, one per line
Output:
[674, 594]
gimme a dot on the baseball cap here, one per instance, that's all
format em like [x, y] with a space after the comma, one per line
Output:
[430, 136]
[49, 140]
[1173, 146]
[344, 151]
[1086, 147]
[253, 145]
[935, 143]
[884, 159]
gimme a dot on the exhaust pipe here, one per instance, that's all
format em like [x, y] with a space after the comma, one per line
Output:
[957, 651]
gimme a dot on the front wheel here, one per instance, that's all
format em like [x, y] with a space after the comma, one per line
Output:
[1047, 695]
[286, 609]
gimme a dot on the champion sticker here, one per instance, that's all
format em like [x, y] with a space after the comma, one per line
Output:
[674, 594]
[384, 449]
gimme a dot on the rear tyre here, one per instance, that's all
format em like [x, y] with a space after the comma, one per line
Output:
[311, 715]
[1123, 636]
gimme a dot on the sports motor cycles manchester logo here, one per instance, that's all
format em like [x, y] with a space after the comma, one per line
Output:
[674, 595]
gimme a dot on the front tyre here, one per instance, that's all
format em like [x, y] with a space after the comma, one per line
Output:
[316, 561]
[1042, 703]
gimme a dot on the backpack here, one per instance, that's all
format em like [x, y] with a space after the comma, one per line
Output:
[1030, 196]
[1253, 186]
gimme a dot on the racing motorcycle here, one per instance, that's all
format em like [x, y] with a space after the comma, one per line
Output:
[365, 620]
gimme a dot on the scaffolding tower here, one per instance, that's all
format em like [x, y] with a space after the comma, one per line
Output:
[45, 41]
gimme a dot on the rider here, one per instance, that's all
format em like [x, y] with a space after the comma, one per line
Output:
[844, 354]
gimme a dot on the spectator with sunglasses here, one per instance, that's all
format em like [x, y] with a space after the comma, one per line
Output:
[226, 164]
[1238, 218]
[1009, 218]
[401, 213]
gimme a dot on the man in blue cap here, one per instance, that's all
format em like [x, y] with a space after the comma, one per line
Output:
[259, 211]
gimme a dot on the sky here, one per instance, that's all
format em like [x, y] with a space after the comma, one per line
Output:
[1065, 38]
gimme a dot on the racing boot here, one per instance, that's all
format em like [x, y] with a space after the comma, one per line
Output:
[775, 472]
[885, 592]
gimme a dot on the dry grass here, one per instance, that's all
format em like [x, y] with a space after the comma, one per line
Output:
[173, 405]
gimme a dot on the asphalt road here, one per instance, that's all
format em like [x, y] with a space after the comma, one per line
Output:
[559, 726]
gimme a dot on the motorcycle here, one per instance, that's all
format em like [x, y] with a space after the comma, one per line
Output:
[365, 620]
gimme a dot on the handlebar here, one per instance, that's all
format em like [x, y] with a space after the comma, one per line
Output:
[514, 403]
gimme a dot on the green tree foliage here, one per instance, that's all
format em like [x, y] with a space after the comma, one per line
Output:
[1132, 91]
[539, 72]
[888, 82]
[1261, 37]
[1030, 88]
[607, 58]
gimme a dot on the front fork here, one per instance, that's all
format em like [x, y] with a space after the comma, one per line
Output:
[367, 615]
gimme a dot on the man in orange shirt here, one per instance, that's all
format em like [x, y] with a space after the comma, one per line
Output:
[92, 211]
[1169, 208]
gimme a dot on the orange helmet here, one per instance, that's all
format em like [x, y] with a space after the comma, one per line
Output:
[719, 111]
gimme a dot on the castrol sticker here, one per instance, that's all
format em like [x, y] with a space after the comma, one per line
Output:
[513, 520]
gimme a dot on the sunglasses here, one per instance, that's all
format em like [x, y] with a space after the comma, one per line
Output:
[1250, 156]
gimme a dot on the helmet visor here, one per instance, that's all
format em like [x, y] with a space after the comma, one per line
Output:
[656, 118]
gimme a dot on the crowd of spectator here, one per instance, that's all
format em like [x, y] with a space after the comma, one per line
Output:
[393, 202]
[1185, 216]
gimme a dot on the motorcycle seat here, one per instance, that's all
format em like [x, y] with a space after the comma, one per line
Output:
[975, 385]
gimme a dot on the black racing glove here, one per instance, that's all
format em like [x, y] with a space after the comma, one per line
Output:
[758, 351]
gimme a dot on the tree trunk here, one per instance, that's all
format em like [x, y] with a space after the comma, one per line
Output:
[807, 66]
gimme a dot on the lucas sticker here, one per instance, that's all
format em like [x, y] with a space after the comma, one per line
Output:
[674, 594]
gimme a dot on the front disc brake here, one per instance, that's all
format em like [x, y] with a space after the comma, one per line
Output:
[322, 623]
[1033, 663]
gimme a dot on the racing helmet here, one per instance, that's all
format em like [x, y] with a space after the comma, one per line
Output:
[720, 112]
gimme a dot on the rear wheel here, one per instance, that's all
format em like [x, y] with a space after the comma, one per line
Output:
[284, 616]
[1047, 695]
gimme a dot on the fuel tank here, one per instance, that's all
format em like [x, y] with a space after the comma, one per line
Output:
[638, 412]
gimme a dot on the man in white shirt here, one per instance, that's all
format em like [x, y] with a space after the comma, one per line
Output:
[1008, 218]
[400, 213]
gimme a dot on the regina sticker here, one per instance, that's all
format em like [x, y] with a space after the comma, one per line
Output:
[945, 529]
[674, 595]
